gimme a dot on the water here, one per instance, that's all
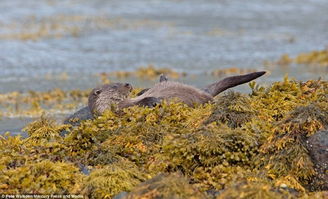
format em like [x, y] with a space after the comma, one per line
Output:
[40, 40]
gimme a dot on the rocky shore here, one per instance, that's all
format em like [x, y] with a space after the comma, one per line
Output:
[271, 143]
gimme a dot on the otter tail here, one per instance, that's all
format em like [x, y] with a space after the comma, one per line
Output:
[217, 87]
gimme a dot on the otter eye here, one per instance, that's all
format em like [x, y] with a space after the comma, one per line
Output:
[127, 85]
[97, 92]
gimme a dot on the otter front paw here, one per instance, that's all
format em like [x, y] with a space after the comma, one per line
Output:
[149, 102]
[142, 91]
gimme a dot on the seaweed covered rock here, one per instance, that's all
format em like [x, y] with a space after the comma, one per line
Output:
[79, 116]
[140, 132]
[255, 184]
[317, 144]
[274, 102]
[256, 190]
[112, 179]
[100, 156]
[267, 144]
[44, 177]
[284, 155]
[205, 151]
[166, 186]
[44, 141]
[233, 109]
[83, 139]
[13, 153]
[44, 130]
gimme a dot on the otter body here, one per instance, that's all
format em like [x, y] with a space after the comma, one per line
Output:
[172, 90]
[105, 96]
[168, 90]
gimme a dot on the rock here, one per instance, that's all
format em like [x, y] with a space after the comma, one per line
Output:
[84, 169]
[213, 193]
[121, 195]
[81, 115]
[75, 119]
[317, 146]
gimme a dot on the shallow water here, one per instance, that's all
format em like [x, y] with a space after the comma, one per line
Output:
[48, 44]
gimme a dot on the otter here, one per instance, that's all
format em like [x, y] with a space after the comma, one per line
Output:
[103, 97]
[117, 91]
[110, 94]
[162, 78]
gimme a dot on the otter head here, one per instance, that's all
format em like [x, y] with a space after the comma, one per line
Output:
[103, 97]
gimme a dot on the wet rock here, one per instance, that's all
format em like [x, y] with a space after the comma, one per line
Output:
[84, 169]
[121, 195]
[76, 118]
[317, 145]
[81, 115]
[212, 193]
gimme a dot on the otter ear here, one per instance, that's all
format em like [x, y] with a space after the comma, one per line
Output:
[97, 92]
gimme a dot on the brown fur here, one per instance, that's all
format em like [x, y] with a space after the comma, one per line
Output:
[103, 97]
[170, 90]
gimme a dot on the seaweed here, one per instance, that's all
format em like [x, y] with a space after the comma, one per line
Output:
[239, 146]
[256, 190]
[312, 58]
[112, 179]
[12, 151]
[166, 186]
[231, 70]
[206, 150]
[233, 109]
[149, 72]
[139, 132]
[35, 103]
[44, 130]
[44, 177]
[284, 155]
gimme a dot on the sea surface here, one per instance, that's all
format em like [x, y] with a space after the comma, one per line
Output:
[46, 44]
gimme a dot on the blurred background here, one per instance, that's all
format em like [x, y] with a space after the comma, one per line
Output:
[75, 44]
